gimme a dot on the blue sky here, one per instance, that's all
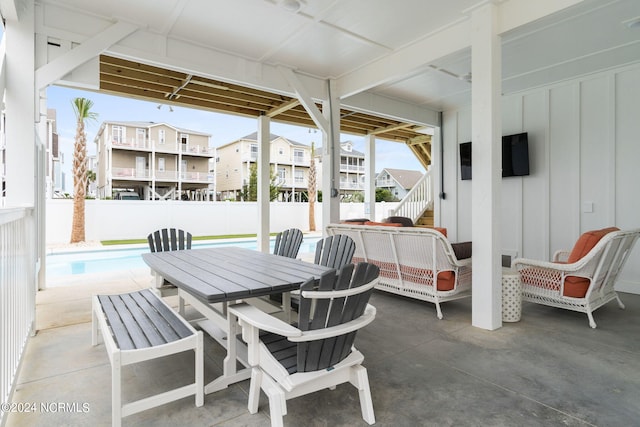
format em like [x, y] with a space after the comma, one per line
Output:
[223, 128]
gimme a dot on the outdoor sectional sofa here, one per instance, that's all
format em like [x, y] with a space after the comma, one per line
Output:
[415, 262]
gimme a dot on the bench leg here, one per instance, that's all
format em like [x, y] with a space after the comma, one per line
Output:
[116, 391]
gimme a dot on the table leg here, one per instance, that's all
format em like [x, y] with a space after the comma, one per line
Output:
[222, 326]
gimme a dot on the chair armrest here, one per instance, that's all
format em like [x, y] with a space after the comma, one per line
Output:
[257, 318]
[334, 331]
[520, 263]
[561, 256]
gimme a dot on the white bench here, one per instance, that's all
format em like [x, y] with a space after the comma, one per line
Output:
[139, 326]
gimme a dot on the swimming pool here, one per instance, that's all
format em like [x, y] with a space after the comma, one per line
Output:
[99, 261]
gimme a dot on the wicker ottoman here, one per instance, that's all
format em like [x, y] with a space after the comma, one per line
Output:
[511, 295]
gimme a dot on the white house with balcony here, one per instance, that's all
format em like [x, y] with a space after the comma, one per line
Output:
[156, 160]
[352, 170]
[398, 181]
[289, 160]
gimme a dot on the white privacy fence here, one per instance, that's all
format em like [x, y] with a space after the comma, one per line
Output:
[17, 293]
[135, 219]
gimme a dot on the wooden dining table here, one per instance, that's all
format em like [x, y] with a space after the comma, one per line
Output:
[210, 279]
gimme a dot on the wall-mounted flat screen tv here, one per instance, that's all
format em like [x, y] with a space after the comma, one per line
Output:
[515, 156]
[465, 160]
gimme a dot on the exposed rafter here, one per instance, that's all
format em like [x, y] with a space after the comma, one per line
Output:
[151, 83]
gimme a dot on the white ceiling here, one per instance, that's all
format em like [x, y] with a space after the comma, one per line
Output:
[398, 49]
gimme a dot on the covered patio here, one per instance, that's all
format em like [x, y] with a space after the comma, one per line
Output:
[567, 72]
[548, 369]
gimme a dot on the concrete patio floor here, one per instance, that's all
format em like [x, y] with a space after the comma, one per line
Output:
[548, 369]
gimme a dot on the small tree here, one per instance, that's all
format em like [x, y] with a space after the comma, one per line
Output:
[384, 195]
[82, 110]
[91, 177]
[251, 190]
[312, 190]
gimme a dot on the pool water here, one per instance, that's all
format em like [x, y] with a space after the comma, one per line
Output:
[70, 263]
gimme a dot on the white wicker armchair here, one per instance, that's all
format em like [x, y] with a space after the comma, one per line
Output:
[581, 280]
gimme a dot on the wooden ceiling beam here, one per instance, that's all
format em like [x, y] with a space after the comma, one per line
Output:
[285, 106]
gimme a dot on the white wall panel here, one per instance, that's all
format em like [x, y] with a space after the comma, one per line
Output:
[564, 166]
[535, 196]
[463, 134]
[594, 153]
[584, 147]
[627, 168]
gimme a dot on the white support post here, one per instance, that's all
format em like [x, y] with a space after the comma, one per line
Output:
[486, 154]
[20, 105]
[370, 177]
[331, 159]
[264, 182]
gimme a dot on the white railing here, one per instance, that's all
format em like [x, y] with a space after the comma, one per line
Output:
[17, 294]
[196, 177]
[351, 168]
[129, 173]
[166, 175]
[417, 200]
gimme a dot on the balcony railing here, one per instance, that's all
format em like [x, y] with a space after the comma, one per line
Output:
[166, 175]
[351, 168]
[136, 174]
[167, 147]
[385, 182]
[196, 177]
[137, 144]
[130, 173]
[17, 294]
[346, 185]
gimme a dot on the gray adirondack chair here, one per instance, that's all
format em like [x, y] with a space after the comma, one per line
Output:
[288, 243]
[318, 353]
[163, 240]
[335, 251]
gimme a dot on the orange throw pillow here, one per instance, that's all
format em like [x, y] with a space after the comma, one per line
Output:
[586, 242]
[442, 230]
[385, 224]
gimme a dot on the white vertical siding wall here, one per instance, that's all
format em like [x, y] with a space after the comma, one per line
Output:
[584, 147]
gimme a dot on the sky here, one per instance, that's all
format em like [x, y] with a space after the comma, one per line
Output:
[223, 128]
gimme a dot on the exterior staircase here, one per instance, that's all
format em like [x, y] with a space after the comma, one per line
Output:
[425, 220]
[418, 203]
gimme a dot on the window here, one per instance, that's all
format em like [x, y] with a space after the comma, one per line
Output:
[160, 164]
[298, 156]
[161, 136]
[184, 139]
[280, 151]
[299, 179]
[254, 151]
[117, 134]
[282, 174]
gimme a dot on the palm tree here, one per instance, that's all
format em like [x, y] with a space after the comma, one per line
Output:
[82, 109]
[311, 187]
